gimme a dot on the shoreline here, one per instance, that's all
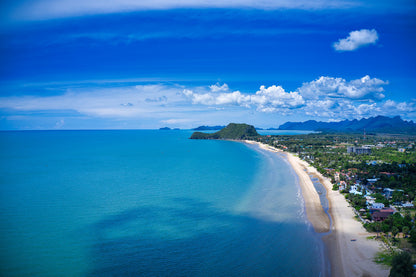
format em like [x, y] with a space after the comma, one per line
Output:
[349, 251]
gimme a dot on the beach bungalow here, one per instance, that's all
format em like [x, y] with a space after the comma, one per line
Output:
[379, 216]
[382, 214]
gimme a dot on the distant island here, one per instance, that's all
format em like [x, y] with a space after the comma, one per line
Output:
[168, 129]
[231, 131]
[208, 128]
[378, 124]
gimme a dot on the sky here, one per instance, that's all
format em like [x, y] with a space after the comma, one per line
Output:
[101, 64]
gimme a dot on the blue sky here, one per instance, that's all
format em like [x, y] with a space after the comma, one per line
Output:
[148, 64]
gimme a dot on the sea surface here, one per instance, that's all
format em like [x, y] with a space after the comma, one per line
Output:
[149, 203]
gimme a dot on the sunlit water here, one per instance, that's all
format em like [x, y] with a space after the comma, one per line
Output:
[149, 203]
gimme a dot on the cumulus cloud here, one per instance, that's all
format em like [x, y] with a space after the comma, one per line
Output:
[364, 88]
[217, 87]
[356, 39]
[324, 98]
[273, 98]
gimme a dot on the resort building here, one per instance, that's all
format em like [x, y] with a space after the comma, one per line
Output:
[381, 215]
[359, 150]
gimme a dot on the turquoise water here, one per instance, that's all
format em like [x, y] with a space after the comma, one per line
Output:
[149, 203]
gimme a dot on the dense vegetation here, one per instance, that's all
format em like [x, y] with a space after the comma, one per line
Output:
[231, 131]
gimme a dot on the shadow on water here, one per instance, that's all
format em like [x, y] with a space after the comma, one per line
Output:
[193, 238]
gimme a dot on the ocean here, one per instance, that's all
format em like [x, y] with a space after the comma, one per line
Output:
[149, 203]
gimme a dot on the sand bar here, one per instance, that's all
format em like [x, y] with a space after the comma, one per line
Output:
[348, 249]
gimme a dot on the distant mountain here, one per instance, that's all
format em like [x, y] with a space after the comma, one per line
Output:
[378, 124]
[208, 128]
[232, 131]
[168, 129]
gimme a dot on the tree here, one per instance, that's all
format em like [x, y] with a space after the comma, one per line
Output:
[377, 227]
[406, 231]
[401, 265]
[413, 235]
[394, 231]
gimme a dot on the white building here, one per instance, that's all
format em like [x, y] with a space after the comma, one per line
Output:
[354, 190]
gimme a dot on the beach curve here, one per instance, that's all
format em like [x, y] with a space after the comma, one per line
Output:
[349, 250]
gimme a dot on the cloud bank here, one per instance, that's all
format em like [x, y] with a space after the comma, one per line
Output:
[356, 39]
[49, 9]
[325, 98]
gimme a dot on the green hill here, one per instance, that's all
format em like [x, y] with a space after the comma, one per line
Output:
[231, 131]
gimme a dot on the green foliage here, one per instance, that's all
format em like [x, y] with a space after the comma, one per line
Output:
[413, 235]
[357, 201]
[232, 131]
[384, 257]
[401, 265]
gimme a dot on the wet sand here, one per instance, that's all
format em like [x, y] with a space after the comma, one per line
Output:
[349, 251]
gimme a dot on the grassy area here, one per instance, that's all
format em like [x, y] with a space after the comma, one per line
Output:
[384, 257]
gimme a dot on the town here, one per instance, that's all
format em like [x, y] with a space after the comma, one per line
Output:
[376, 173]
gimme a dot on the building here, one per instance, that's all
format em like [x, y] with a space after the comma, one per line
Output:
[408, 205]
[342, 185]
[388, 192]
[377, 206]
[354, 190]
[381, 215]
[359, 150]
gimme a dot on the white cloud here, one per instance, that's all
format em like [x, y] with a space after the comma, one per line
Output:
[48, 9]
[269, 99]
[217, 87]
[356, 39]
[124, 102]
[364, 88]
[324, 98]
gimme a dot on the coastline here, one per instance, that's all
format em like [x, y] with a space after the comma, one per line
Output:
[349, 251]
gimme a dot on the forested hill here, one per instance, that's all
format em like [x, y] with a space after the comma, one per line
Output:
[231, 131]
[378, 124]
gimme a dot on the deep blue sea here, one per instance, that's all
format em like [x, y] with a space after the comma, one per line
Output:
[149, 203]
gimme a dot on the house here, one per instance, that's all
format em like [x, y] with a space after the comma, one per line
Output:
[381, 215]
[369, 200]
[388, 192]
[372, 181]
[408, 205]
[354, 189]
[336, 177]
[342, 185]
[377, 206]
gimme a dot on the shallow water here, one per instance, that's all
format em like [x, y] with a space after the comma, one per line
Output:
[145, 202]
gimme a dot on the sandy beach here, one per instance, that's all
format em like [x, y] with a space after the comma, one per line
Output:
[349, 251]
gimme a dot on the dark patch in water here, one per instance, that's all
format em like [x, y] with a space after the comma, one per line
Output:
[241, 246]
